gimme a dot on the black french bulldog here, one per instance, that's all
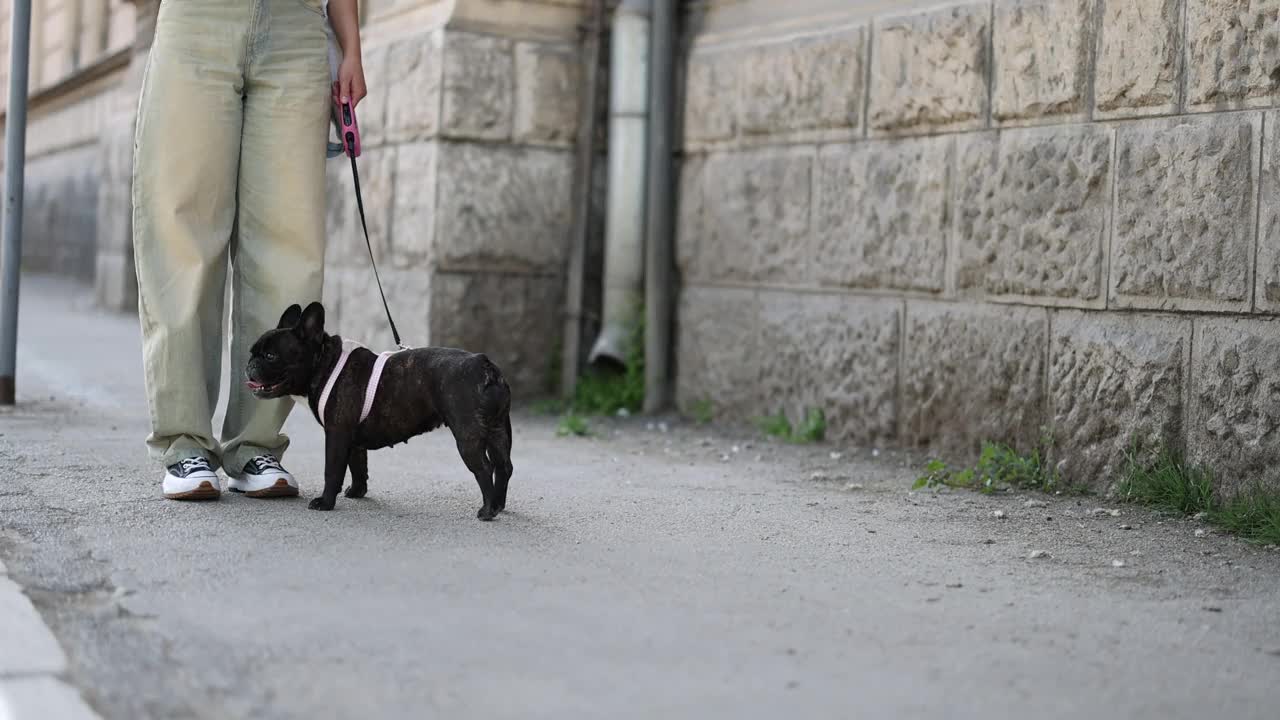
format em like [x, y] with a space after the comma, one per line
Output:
[419, 390]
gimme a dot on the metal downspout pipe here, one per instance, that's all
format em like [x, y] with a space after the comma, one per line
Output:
[625, 204]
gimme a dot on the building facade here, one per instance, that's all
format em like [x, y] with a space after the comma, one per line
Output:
[1007, 220]
[1031, 221]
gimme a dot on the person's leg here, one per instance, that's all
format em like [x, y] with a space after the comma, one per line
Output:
[278, 256]
[184, 203]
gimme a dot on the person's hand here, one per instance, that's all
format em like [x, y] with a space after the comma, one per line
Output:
[350, 85]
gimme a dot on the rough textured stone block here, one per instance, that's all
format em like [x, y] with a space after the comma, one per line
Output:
[60, 129]
[810, 84]
[1032, 209]
[414, 72]
[382, 10]
[377, 176]
[1113, 380]
[1138, 58]
[116, 281]
[115, 196]
[1185, 213]
[1235, 426]
[338, 249]
[513, 319]
[479, 86]
[1267, 293]
[360, 313]
[716, 350]
[836, 353]
[755, 217]
[502, 208]
[1041, 50]
[413, 213]
[973, 373]
[386, 93]
[332, 295]
[881, 217]
[711, 97]
[61, 210]
[547, 94]
[1233, 53]
[928, 70]
[690, 213]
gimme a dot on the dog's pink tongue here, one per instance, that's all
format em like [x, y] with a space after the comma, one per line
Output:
[253, 385]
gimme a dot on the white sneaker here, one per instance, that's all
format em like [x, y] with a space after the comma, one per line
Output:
[191, 479]
[263, 476]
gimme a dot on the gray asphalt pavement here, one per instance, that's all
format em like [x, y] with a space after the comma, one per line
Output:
[692, 573]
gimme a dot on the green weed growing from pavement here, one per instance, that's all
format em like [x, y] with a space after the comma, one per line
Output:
[1253, 515]
[572, 424]
[605, 391]
[702, 411]
[999, 467]
[1165, 481]
[812, 428]
[1159, 478]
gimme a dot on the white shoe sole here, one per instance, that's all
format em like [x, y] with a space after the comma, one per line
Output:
[188, 488]
[264, 488]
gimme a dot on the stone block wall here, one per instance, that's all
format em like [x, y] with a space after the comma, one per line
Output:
[468, 133]
[467, 175]
[60, 209]
[993, 220]
[74, 66]
[65, 182]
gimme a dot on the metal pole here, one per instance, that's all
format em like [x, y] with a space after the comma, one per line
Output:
[659, 241]
[15, 148]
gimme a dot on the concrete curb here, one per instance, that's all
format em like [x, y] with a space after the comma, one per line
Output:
[31, 661]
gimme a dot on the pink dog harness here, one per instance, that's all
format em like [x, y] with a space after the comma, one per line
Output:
[369, 390]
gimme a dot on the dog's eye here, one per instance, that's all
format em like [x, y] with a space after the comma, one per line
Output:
[270, 357]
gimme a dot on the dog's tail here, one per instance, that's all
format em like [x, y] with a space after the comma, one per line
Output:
[496, 409]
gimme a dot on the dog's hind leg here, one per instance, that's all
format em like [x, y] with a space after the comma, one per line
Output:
[473, 454]
[500, 458]
[359, 464]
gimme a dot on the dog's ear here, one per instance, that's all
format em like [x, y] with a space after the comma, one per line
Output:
[312, 323]
[290, 318]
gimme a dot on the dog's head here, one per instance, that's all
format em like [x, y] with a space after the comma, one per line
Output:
[283, 360]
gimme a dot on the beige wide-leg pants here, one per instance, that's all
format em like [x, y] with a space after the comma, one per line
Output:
[228, 172]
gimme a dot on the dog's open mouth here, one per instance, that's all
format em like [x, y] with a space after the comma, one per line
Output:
[258, 388]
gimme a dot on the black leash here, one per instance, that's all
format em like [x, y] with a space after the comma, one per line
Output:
[347, 125]
[355, 176]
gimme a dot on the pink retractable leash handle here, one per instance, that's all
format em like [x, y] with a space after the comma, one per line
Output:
[350, 130]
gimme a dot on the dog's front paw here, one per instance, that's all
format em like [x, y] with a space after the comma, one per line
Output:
[486, 513]
[355, 492]
[321, 504]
